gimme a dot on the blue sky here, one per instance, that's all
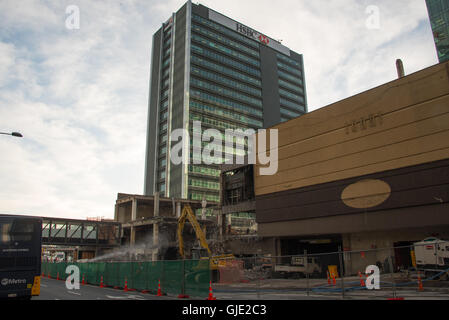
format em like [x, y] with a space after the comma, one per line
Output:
[80, 96]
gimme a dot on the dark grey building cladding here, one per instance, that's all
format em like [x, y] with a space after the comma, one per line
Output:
[416, 186]
[178, 89]
[270, 88]
[242, 80]
[201, 11]
[300, 59]
[270, 85]
[152, 122]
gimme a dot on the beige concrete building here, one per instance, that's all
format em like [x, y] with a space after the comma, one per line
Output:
[149, 225]
[367, 172]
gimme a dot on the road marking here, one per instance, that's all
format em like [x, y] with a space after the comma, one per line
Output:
[43, 285]
[132, 297]
[71, 292]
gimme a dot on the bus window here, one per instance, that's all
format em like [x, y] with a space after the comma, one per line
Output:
[21, 230]
[4, 232]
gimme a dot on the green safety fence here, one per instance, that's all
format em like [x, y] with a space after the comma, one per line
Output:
[189, 277]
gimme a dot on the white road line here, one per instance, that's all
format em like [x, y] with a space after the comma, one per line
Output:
[72, 292]
[131, 297]
[43, 285]
[136, 297]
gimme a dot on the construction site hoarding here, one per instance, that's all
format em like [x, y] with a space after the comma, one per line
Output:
[187, 277]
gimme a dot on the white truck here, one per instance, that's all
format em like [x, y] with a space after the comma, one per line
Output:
[58, 257]
[298, 268]
[432, 255]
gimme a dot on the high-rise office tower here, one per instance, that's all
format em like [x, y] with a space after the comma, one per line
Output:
[207, 67]
[439, 19]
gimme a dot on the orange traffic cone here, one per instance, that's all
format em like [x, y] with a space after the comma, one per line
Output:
[362, 282]
[126, 285]
[333, 279]
[159, 292]
[101, 282]
[49, 276]
[83, 281]
[211, 296]
[57, 276]
[328, 279]
[420, 286]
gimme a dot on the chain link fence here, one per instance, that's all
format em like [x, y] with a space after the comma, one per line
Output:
[417, 271]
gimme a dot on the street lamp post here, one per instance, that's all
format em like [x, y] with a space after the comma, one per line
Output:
[14, 134]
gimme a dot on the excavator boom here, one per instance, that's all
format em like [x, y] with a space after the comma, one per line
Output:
[187, 213]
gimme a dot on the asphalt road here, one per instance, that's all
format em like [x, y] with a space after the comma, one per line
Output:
[52, 289]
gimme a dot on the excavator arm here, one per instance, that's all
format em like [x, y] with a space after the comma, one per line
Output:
[187, 213]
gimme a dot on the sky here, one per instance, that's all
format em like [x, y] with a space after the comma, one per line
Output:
[79, 95]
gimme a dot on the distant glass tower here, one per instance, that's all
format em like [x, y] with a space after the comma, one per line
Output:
[439, 19]
[207, 67]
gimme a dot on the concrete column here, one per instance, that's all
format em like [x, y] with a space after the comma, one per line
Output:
[220, 225]
[116, 213]
[278, 249]
[178, 210]
[134, 210]
[346, 241]
[155, 255]
[155, 241]
[203, 210]
[156, 228]
[278, 246]
[132, 238]
[121, 214]
[155, 234]
[156, 204]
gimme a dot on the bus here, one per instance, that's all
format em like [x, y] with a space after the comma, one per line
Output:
[20, 256]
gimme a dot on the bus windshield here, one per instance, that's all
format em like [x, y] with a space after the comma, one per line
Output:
[17, 231]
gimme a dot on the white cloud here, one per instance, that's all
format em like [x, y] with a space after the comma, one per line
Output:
[80, 96]
[7, 56]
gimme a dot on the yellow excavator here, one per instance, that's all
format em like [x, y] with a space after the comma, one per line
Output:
[203, 253]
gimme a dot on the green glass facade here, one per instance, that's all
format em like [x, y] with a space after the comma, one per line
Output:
[205, 70]
[439, 19]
